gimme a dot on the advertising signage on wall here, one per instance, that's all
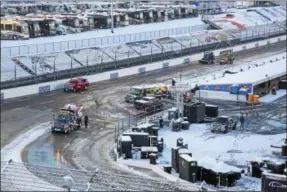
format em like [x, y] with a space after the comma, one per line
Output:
[226, 87]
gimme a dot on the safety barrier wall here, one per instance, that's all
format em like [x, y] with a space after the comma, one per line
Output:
[219, 95]
[34, 89]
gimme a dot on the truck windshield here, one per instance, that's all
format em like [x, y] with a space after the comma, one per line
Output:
[52, 25]
[36, 26]
[135, 91]
[62, 118]
[25, 29]
[221, 120]
[91, 21]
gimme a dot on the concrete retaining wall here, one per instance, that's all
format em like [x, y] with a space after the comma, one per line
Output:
[35, 89]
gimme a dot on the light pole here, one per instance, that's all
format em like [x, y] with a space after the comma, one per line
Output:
[112, 16]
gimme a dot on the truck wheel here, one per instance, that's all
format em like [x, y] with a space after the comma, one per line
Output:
[74, 90]
[60, 33]
[65, 90]
[14, 37]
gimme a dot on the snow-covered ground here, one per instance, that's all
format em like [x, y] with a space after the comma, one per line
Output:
[255, 74]
[220, 152]
[217, 76]
[270, 98]
[144, 30]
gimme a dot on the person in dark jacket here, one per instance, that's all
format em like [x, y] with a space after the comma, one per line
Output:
[86, 120]
[160, 122]
[242, 121]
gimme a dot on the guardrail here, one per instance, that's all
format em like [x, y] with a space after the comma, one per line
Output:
[46, 48]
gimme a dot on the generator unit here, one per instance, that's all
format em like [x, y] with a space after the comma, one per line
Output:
[126, 146]
[187, 168]
[139, 139]
[211, 111]
[175, 152]
[195, 112]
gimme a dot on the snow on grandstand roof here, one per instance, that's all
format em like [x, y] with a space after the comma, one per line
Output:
[255, 75]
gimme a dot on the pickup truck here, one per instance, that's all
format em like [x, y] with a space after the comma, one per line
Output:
[77, 84]
[223, 124]
[148, 104]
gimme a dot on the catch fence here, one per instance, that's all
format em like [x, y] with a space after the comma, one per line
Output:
[20, 71]
[53, 47]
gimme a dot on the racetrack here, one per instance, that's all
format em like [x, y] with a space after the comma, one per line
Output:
[90, 148]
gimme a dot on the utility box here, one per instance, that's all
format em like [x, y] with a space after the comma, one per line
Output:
[145, 127]
[172, 113]
[195, 112]
[211, 111]
[273, 183]
[186, 163]
[139, 139]
[175, 152]
[146, 151]
[126, 146]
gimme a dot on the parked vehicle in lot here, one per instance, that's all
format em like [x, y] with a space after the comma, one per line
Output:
[77, 84]
[68, 119]
[34, 27]
[48, 27]
[13, 29]
[148, 104]
[223, 124]
[137, 92]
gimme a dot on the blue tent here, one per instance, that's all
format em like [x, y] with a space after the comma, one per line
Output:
[196, 3]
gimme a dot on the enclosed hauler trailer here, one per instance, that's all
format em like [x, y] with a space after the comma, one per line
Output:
[102, 21]
[48, 27]
[34, 27]
[124, 19]
[177, 13]
[148, 16]
[71, 20]
[14, 29]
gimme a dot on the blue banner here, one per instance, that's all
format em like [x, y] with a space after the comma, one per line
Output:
[165, 65]
[44, 89]
[141, 70]
[226, 87]
[114, 75]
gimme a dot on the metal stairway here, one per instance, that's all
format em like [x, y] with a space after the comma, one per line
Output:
[23, 66]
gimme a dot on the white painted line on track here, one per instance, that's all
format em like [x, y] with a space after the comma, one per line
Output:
[66, 145]
[47, 102]
[19, 108]
[71, 96]
[50, 94]
[24, 99]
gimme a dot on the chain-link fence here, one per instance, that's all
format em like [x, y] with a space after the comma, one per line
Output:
[46, 48]
[19, 71]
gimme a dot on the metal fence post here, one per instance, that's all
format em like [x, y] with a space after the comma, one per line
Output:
[15, 71]
[71, 67]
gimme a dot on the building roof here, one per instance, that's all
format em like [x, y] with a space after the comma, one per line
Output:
[254, 75]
